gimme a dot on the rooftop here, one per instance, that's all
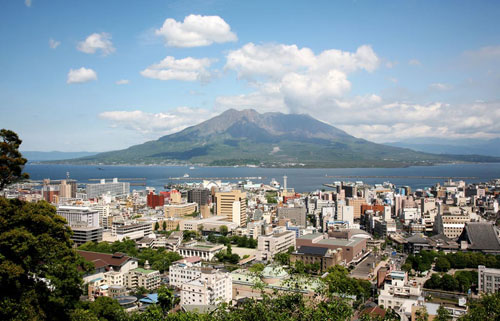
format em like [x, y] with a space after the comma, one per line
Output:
[341, 242]
[144, 271]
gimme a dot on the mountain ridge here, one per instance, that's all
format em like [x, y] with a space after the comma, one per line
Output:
[269, 139]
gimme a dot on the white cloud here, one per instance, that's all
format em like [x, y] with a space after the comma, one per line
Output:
[155, 124]
[81, 75]
[414, 62]
[27, 3]
[122, 82]
[97, 41]
[53, 44]
[196, 31]
[275, 60]
[295, 79]
[187, 69]
[440, 86]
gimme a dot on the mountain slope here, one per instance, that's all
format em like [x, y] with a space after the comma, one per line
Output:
[270, 139]
[33, 156]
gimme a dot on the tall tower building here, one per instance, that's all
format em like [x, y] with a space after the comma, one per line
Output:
[232, 205]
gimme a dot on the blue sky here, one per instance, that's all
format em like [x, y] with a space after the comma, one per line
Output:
[381, 70]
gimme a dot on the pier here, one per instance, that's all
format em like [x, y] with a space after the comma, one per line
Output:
[215, 178]
[396, 176]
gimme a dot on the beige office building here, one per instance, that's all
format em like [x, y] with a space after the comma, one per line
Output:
[356, 203]
[180, 210]
[232, 205]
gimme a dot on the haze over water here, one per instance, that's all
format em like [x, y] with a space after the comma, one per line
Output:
[302, 179]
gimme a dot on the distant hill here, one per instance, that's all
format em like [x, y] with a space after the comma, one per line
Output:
[489, 147]
[33, 156]
[270, 139]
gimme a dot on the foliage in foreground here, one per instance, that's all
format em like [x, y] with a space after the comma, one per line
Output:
[39, 277]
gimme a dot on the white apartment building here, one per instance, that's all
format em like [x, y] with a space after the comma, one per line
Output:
[114, 188]
[212, 287]
[79, 216]
[200, 285]
[270, 245]
[400, 294]
[184, 271]
[131, 229]
[488, 279]
[104, 212]
[113, 277]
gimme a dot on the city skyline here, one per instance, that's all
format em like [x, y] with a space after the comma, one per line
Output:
[103, 76]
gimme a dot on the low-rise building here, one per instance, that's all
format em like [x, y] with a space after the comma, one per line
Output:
[130, 229]
[399, 294]
[353, 249]
[146, 278]
[488, 279]
[270, 245]
[206, 251]
[324, 257]
[211, 288]
[180, 210]
[480, 237]
[207, 225]
[200, 285]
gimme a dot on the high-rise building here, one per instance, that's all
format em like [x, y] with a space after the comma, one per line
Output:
[78, 215]
[65, 190]
[154, 200]
[199, 195]
[233, 205]
[356, 203]
[297, 215]
[83, 221]
[50, 191]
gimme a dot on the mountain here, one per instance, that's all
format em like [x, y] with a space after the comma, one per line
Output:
[489, 147]
[34, 156]
[269, 139]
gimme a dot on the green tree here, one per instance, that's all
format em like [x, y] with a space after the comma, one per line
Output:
[164, 225]
[449, 283]
[486, 308]
[39, 275]
[442, 264]
[223, 230]
[282, 258]
[257, 267]
[11, 160]
[421, 314]
[106, 308]
[166, 299]
[83, 315]
[157, 226]
[442, 314]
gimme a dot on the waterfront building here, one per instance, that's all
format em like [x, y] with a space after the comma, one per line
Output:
[113, 188]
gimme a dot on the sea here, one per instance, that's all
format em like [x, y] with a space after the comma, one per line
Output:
[301, 179]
